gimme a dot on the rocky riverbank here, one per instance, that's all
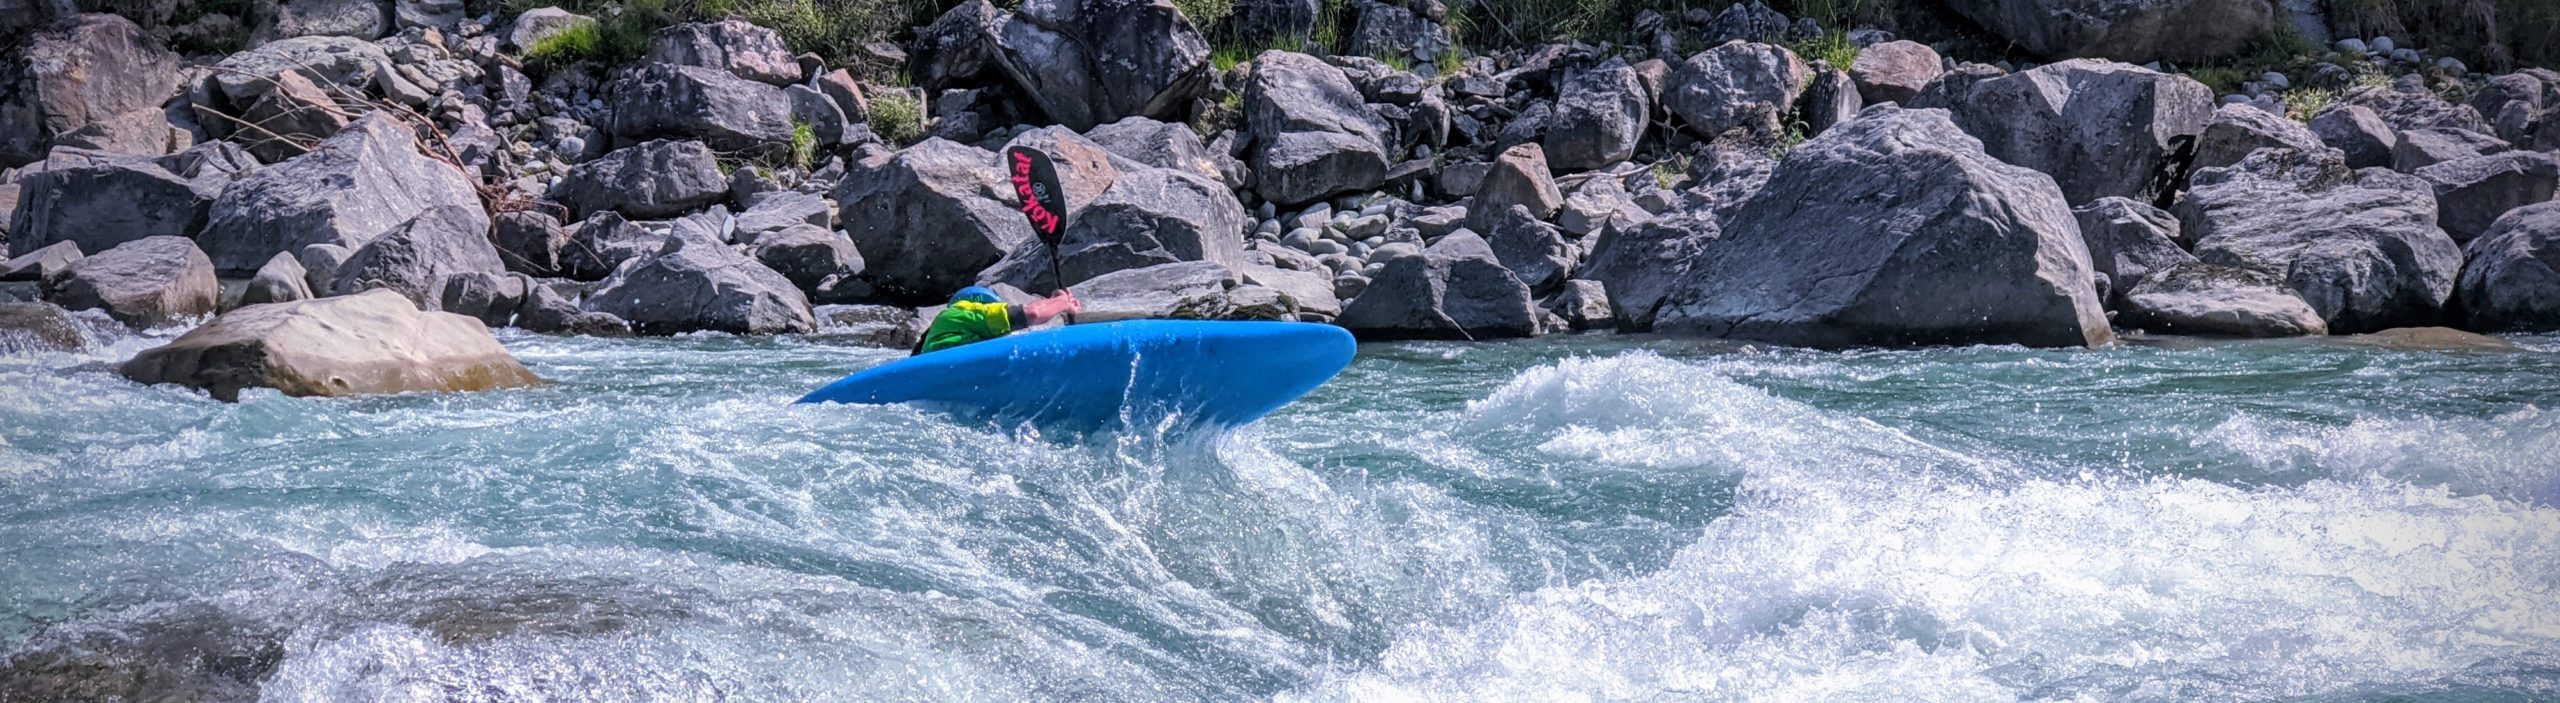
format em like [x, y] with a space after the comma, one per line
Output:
[1732, 172]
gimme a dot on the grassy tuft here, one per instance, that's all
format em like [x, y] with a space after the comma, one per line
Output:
[897, 117]
[2303, 103]
[1205, 14]
[1831, 47]
[577, 43]
[804, 145]
[2222, 79]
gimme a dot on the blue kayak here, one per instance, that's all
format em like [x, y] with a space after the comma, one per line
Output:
[1138, 372]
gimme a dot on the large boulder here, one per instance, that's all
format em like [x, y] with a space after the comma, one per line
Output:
[1895, 228]
[289, 114]
[416, 257]
[27, 328]
[349, 63]
[2512, 281]
[739, 48]
[143, 283]
[598, 245]
[2471, 193]
[807, 254]
[2408, 103]
[2359, 132]
[1313, 137]
[352, 188]
[1600, 115]
[108, 202]
[958, 48]
[2128, 242]
[530, 241]
[351, 345]
[2100, 128]
[2203, 299]
[1196, 290]
[2362, 247]
[2238, 129]
[42, 263]
[1087, 62]
[1639, 266]
[2125, 30]
[1143, 217]
[95, 69]
[1162, 145]
[282, 280]
[696, 284]
[928, 219]
[648, 180]
[1518, 178]
[1895, 71]
[1536, 252]
[2428, 146]
[658, 100]
[1454, 289]
[774, 211]
[1739, 87]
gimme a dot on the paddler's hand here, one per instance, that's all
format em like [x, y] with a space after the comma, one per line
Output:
[1049, 308]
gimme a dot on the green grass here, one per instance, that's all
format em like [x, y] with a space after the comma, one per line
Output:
[1832, 47]
[577, 43]
[1396, 61]
[2222, 79]
[804, 145]
[1205, 14]
[1452, 60]
[2303, 103]
[897, 117]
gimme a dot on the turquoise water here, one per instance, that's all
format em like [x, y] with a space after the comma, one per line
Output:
[1563, 519]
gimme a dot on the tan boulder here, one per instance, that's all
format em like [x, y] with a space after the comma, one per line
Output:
[372, 342]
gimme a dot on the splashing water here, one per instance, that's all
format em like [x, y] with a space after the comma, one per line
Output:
[1570, 519]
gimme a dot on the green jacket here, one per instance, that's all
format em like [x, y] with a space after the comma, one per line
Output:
[966, 322]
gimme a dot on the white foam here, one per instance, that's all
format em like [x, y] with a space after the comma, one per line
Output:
[2515, 455]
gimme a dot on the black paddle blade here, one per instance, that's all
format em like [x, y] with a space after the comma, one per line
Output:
[1035, 180]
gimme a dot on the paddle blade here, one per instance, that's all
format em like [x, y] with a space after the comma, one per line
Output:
[1035, 181]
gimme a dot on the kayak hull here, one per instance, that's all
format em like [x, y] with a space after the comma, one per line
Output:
[1135, 373]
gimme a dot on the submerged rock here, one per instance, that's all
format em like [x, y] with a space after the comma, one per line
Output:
[372, 342]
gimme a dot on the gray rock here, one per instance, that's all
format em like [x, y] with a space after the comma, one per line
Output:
[2409, 104]
[1584, 305]
[350, 345]
[359, 184]
[691, 102]
[108, 202]
[696, 284]
[1727, 176]
[2420, 148]
[807, 254]
[143, 283]
[2472, 193]
[882, 326]
[541, 23]
[784, 209]
[1738, 87]
[2359, 132]
[1087, 62]
[360, 19]
[1186, 290]
[827, 123]
[2099, 128]
[1639, 266]
[544, 311]
[1122, 214]
[282, 280]
[416, 257]
[1310, 291]
[599, 245]
[42, 263]
[1266, 20]
[29, 328]
[957, 48]
[491, 298]
[289, 113]
[1600, 115]
[345, 62]
[1895, 71]
[2512, 282]
[89, 69]
[1313, 137]
[1829, 100]
[1160, 144]
[2237, 130]
[2132, 30]
[320, 264]
[530, 241]
[1894, 228]
[1386, 29]
[1454, 289]
[648, 180]
[1598, 204]
[445, 15]
[2128, 241]
[2362, 247]
[2203, 299]
[1519, 177]
[928, 219]
[739, 48]
[1534, 251]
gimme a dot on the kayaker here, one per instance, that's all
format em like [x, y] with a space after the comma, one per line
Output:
[977, 315]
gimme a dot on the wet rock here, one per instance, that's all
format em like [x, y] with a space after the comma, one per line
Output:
[2134, 30]
[807, 254]
[2512, 281]
[416, 257]
[2357, 131]
[42, 263]
[928, 219]
[2197, 298]
[2420, 148]
[1600, 115]
[739, 48]
[108, 202]
[882, 326]
[1313, 138]
[2129, 241]
[1738, 87]
[696, 283]
[359, 184]
[1583, 305]
[2362, 247]
[2472, 193]
[144, 283]
[1518, 178]
[91, 69]
[691, 102]
[1894, 71]
[1639, 266]
[2100, 128]
[2429, 339]
[652, 179]
[544, 311]
[1454, 289]
[1088, 62]
[282, 280]
[28, 328]
[2237, 130]
[375, 342]
[1894, 228]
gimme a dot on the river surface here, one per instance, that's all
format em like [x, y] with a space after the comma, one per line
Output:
[1554, 520]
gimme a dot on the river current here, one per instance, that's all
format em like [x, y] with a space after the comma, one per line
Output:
[1589, 518]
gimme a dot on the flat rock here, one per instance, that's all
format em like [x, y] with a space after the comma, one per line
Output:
[143, 283]
[2197, 298]
[370, 343]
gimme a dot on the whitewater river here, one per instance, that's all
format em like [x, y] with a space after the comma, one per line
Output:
[1553, 520]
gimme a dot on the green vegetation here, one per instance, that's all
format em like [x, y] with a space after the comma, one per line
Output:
[577, 43]
[2222, 79]
[1205, 14]
[804, 145]
[1328, 29]
[1832, 47]
[621, 31]
[897, 117]
[1396, 61]
[1452, 60]
[2302, 103]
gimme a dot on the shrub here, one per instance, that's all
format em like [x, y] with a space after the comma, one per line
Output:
[577, 43]
[1205, 14]
[897, 117]
[2303, 103]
